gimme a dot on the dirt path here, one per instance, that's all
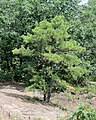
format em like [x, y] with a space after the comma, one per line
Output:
[14, 103]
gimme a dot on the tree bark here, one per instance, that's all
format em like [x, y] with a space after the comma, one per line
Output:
[44, 97]
[48, 95]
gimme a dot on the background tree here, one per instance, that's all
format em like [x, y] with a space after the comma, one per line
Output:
[84, 31]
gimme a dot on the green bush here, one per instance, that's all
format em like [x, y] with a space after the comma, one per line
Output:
[84, 112]
[6, 76]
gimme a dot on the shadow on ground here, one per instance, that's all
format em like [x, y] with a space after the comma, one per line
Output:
[26, 98]
[13, 85]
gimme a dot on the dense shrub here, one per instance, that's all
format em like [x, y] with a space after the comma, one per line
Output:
[84, 112]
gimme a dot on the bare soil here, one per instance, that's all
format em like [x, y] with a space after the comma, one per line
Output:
[17, 104]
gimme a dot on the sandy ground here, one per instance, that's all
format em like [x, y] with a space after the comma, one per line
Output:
[16, 104]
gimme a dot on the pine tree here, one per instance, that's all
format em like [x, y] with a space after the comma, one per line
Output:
[52, 52]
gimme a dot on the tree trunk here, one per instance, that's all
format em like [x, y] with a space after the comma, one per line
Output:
[44, 96]
[48, 95]
[49, 90]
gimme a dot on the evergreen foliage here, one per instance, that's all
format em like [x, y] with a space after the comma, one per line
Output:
[51, 48]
